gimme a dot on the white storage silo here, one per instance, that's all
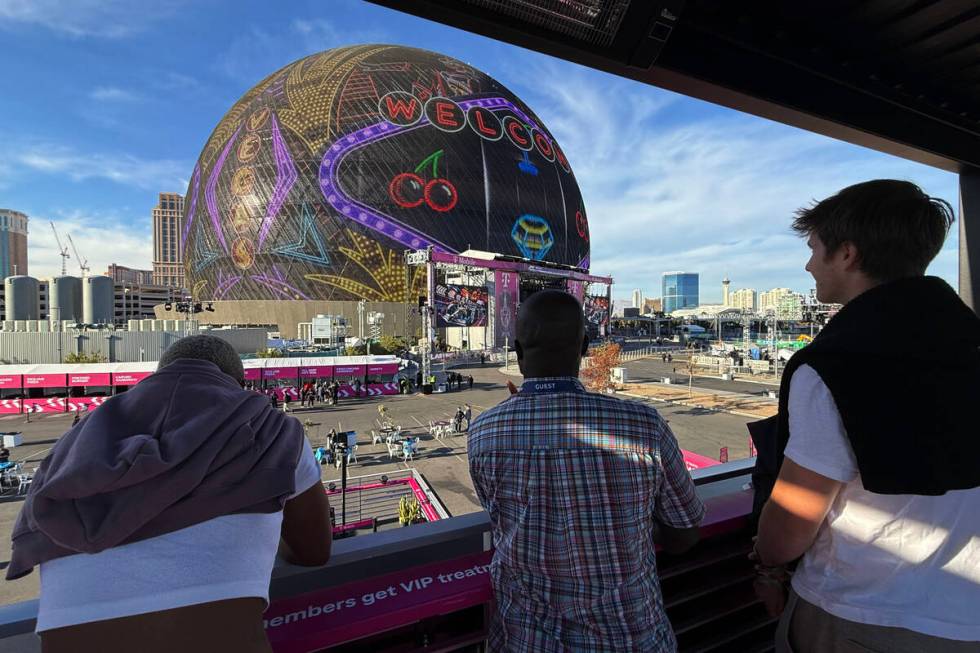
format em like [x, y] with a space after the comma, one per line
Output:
[65, 299]
[21, 295]
[97, 300]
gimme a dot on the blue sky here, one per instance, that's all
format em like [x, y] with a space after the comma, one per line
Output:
[106, 104]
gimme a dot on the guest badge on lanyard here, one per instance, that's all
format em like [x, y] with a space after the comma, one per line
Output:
[548, 387]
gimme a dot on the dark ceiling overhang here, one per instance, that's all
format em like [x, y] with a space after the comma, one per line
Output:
[899, 76]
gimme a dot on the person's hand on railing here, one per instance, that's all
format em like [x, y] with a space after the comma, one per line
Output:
[771, 584]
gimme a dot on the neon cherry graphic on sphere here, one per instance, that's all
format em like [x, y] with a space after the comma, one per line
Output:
[440, 195]
[407, 190]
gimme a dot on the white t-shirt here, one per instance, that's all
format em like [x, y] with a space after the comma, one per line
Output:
[223, 558]
[901, 560]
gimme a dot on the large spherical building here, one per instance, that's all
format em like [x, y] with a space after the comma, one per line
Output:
[320, 177]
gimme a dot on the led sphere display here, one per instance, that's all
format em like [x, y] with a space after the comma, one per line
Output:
[319, 178]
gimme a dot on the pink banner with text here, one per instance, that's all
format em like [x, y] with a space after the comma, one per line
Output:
[44, 380]
[325, 618]
[348, 370]
[316, 372]
[505, 294]
[10, 381]
[128, 378]
[101, 379]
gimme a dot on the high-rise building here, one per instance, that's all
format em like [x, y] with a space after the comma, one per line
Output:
[168, 254]
[725, 298]
[638, 298]
[652, 306]
[769, 300]
[680, 290]
[13, 243]
[120, 273]
[744, 298]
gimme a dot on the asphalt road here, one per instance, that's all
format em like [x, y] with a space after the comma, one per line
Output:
[653, 369]
[442, 463]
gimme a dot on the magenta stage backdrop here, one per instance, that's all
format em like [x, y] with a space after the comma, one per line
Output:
[505, 289]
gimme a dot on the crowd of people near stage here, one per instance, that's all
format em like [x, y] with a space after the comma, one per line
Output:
[163, 511]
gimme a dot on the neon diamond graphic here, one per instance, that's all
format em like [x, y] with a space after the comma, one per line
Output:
[310, 246]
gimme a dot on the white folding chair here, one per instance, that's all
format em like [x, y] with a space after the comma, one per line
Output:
[393, 449]
[352, 455]
[24, 482]
[375, 437]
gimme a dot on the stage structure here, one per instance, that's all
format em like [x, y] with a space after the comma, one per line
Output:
[318, 179]
[491, 290]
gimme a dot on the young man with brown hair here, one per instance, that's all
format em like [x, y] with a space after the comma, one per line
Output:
[878, 488]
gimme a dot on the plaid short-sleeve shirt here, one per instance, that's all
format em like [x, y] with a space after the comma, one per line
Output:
[573, 481]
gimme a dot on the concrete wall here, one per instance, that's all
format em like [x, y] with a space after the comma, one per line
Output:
[399, 319]
[124, 346]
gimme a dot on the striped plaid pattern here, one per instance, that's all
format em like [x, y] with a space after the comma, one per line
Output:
[572, 482]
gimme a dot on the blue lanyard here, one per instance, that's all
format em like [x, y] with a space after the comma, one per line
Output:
[549, 387]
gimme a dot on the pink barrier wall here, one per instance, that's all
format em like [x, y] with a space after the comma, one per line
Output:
[83, 404]
[282, 392]
[697, 461]
[387, 388]
[47, 405]
[8, 406]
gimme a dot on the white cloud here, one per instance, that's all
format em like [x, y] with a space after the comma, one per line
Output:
[125, 169]
[130, 237]
[113, 94]
[671, 183]
[87, 18]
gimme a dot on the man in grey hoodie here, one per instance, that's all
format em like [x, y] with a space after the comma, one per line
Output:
[157, 519]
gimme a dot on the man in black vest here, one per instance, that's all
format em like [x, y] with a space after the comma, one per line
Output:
[876, 439]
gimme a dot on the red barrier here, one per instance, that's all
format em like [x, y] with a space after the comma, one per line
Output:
[10, 406]
[378, 389]
[697, 461]
[84, 404]
[45, 405]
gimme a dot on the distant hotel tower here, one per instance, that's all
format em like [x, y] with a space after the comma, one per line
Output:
[168, 255]
[13, 243]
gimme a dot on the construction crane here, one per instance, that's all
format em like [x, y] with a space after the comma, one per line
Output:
[62, 252]
[82, 262]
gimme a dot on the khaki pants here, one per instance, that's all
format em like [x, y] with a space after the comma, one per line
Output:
[805, 628]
